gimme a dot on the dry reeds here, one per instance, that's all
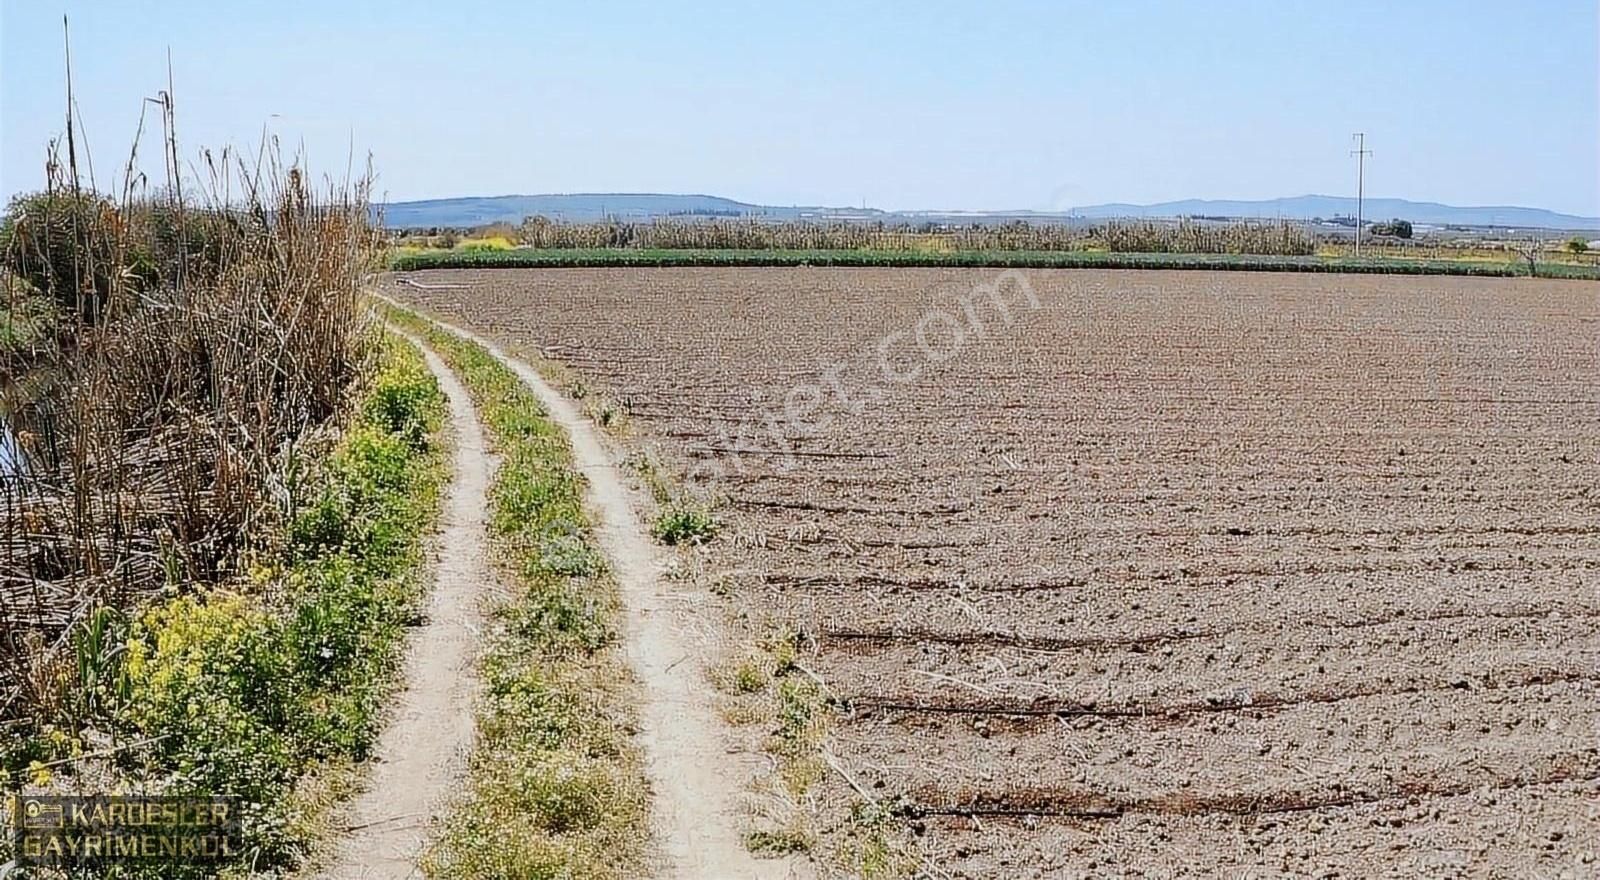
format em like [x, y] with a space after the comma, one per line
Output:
[216, 330]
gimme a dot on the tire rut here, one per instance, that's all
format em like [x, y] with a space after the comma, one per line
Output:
[422, 751]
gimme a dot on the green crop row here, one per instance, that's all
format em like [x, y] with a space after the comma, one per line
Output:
[529, 258]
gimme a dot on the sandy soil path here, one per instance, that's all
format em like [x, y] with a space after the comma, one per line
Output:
[422, 753]
[696, 781]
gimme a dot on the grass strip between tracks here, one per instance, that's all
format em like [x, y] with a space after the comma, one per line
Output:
[556, 786]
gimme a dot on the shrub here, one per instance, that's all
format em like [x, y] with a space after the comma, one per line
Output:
[212, 679]
[370, 475]
[1576, 245]
[401, 404]
[69, 247]
[28, 321]
[343, 630]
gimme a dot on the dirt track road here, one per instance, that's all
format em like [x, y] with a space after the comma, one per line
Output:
[697, 782]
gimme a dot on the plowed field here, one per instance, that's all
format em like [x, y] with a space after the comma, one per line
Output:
[1148, 573]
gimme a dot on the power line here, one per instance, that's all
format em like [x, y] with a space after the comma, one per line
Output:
[1361, 153]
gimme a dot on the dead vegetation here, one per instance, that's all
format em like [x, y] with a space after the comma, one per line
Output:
[211, 327]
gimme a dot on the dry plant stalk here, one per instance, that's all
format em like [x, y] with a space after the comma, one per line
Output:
[216, 326]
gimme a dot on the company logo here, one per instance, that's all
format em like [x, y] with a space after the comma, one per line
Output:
[64, 830]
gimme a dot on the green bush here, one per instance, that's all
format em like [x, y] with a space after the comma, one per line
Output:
[212, 677]
[28, 321]
[1396, 227]
[403, 402]
[344, 630]
[166, 243]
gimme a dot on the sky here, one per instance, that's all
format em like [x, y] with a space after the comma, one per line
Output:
[897, 105]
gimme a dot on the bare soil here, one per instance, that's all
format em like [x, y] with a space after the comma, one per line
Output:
[1178, 574]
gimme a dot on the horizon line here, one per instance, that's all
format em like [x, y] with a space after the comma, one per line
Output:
[1039, 211]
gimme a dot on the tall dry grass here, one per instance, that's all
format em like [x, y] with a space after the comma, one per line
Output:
[216, 325]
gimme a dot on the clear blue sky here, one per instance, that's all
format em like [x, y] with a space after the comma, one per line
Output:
[924, 104]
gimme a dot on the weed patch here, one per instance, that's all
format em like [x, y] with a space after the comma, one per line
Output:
[766, 687]
[683, 523]
[774, 844]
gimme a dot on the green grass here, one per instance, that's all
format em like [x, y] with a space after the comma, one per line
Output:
[273, 688]
[556, 786]
[528, 258]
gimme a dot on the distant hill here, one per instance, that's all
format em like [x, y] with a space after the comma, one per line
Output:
[586, 207]
[570, 207]
[1307, 207]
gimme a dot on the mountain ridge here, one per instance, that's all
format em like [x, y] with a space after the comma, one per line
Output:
[468, 211]
[1308, 207]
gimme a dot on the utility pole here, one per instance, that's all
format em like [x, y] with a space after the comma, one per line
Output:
[1361, 153]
